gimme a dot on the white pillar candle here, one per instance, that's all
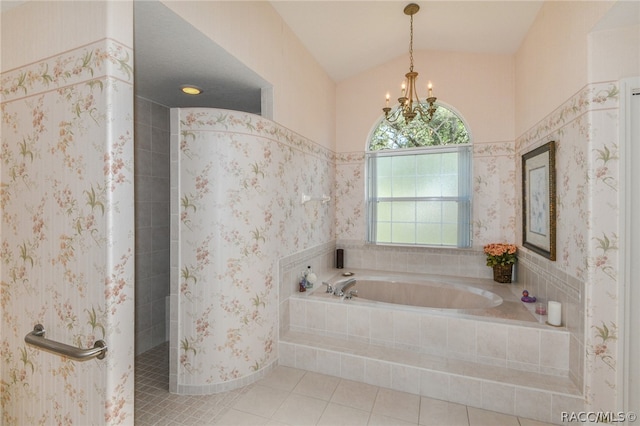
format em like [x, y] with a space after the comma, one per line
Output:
[554, 312]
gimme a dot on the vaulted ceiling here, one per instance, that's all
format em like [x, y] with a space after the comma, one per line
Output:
[348, 37]
[345, 37]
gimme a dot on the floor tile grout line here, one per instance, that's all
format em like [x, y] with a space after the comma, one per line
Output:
[152, 392]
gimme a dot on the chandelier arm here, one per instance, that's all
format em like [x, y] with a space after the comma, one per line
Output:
[392, 118]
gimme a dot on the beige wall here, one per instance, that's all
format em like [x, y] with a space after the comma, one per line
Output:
[552, 63]
[484, 97]
[303, 93]
[615, 54]
[40, 33]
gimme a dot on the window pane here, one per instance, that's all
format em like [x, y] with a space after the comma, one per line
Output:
[428, 234]
[429, 211]
[404, 233]
[384, 186]
[449, 186]
[428, 186]
[404, 165]
[450, 212]
[450, 162]
[404, 211]
[428, 164]
[383, 232]
[384, 211]
[450, 234]
[404, 186]
[383, 166]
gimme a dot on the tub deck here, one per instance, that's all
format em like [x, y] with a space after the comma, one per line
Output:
[502, 359]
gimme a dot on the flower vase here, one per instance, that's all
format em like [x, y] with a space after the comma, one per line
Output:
[502, 273]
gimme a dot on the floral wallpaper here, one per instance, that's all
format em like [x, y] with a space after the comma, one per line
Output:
[350, 207]
[237, 191]
[585, 129]
[494, 193]
[66, 196]
[602, 260]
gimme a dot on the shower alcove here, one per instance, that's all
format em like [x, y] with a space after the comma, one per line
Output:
[236, 185]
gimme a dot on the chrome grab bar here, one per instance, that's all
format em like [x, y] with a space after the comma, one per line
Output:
[36, 338]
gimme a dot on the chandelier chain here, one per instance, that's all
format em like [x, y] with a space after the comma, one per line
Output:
[411, 46]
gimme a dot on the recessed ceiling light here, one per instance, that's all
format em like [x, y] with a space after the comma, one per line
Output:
[191, 90]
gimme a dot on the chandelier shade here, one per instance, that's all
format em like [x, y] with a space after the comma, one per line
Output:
[409, 104]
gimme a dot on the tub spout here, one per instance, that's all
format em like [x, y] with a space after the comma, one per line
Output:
[342, 287]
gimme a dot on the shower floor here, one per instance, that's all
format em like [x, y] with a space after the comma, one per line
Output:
[289, 396]
[155, 405]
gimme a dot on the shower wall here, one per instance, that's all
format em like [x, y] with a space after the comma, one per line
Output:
[67, 231]
[236, 189]
[152, 137]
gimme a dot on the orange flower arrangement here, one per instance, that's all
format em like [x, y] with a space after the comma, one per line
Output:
[500, 254]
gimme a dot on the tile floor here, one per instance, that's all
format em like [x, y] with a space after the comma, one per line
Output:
[288, 396]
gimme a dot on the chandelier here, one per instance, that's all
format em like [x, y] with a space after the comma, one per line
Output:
[410, 105]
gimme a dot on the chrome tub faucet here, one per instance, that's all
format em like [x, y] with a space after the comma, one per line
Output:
[342, 287]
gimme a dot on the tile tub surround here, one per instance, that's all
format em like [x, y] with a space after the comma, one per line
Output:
[467, 262]
[546, 282]
[321, 258]
[507, 335]
[488, 362]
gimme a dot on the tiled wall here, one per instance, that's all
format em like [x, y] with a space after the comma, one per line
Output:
[152, 136]
[548, 283]
[541, 350]
[322, 260]
[420, 260]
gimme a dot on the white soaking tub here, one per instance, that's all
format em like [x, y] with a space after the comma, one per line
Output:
[428, 293]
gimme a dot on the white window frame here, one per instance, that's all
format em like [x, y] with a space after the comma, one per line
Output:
[464, 197]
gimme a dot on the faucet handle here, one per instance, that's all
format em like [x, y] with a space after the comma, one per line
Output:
[351, 294]
[329, 288]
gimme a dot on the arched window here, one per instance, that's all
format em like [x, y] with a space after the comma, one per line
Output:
[419, 182]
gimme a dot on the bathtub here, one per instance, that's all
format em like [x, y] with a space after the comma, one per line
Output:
[426, 293]
[474, 343]
[447, 295]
